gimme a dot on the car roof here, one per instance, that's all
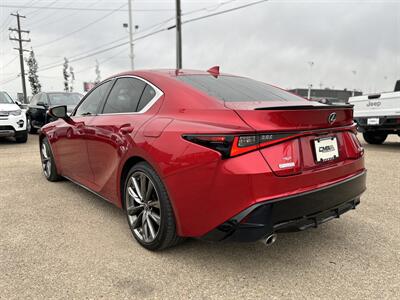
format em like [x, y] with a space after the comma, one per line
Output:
[167, 73]
[60, 92]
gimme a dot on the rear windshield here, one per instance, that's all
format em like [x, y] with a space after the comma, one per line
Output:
[64, 98]
[237, 89]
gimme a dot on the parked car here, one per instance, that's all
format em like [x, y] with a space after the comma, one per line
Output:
[378, 115]
[40, 103]
[207, 155]
[12, 119]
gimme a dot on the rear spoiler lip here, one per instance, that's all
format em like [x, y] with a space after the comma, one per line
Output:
[305, 107]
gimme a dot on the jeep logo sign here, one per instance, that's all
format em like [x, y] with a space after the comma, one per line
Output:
[373, 103]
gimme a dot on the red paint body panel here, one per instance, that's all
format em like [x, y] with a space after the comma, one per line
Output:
[205, 190]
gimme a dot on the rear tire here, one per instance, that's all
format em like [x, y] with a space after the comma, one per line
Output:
[48, 163]
[146, 201]
[375, 138]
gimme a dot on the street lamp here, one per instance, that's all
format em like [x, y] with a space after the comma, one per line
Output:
[354, 89]
[131, 45]
[311, 64]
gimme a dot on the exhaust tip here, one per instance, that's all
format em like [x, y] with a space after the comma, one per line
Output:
[270, 239]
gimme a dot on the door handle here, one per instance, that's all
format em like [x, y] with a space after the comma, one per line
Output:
[126, 129]
[80, 127]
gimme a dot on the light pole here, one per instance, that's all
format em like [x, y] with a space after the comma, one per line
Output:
[311, 64]
[354, 89]
[131, 46]
[130, 33]
[178, 35]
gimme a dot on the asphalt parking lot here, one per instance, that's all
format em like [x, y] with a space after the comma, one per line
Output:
[59, 241]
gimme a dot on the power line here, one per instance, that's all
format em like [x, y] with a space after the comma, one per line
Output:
[39, 11]
[215, 7]
[10, 62]
[113, 42]
[84, 9]
[80, 29]
[65, 17]
[8, 80]
[220, 12]
[102, 61]
[4, 25]
[9, 17]
[44, 17]
[105, 50]
[150, 34]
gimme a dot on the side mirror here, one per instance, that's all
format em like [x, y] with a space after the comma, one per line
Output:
[18, 103]
[59, 112]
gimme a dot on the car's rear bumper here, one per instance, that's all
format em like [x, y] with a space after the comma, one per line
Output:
[389, 124]
[297, 212]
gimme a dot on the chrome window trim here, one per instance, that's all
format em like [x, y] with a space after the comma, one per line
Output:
[73, 113]
[157, 96]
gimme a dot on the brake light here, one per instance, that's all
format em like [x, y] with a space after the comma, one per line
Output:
[243, 144]
[359, 147]
[231, 145]
[220, 143]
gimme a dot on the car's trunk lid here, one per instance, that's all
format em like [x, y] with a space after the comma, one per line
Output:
[306, 128]
[291, 116]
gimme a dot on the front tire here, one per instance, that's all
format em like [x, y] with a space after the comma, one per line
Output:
[148, 209]
[48, 164]
[375, 138]
[30, 127]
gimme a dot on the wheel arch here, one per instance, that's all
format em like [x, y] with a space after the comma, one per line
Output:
[128, 164]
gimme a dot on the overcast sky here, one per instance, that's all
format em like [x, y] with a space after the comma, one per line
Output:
[272, 41]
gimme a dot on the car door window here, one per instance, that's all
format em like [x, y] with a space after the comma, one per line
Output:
[91, 103]
[34, 99]
[124, 96]
[148, 94]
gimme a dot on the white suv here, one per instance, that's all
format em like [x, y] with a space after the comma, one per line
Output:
[12, 119]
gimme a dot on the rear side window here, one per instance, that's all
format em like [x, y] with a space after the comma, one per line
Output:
[124, 96]
[148, 94]
[91, 103]
[64, 98]
[43, 99]
[237, 89]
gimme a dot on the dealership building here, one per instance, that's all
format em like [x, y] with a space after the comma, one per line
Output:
[337, 96]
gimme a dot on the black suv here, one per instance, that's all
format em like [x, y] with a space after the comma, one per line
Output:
[37, 109]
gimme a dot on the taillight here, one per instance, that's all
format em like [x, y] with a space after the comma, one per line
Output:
[220, 143]
[360, 148]
[231, 145]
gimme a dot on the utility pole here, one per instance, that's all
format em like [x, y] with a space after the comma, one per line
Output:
[130, 33]
[20, 49]
[178, 35]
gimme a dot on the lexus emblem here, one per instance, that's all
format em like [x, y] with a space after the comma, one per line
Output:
[332, 118]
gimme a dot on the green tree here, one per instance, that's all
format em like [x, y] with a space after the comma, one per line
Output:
[32, 73]
[66, 75]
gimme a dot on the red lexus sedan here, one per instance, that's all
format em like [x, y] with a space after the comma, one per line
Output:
[207, 155]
